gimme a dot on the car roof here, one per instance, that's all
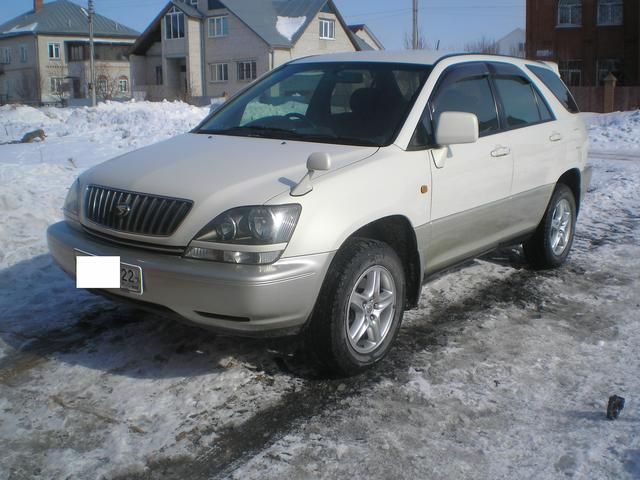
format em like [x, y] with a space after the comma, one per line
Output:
[418, 57]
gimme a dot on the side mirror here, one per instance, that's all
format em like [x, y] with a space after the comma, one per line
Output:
[456, 128]
[319, 161]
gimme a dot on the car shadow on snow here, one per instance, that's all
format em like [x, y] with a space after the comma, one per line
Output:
[45, 317]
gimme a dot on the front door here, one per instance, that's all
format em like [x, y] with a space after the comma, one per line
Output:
[471, 184]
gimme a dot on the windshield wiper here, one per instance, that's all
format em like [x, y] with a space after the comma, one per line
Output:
[249, 131]
[333, 138]
[259, 130]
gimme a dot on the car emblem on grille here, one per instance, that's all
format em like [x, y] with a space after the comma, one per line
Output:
[123, 209]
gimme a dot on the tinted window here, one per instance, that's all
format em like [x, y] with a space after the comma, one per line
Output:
[553, 83]
[519, 101]
[545, 111]
[472, 95]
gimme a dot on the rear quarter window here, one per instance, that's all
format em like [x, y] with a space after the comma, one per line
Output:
[557, 87]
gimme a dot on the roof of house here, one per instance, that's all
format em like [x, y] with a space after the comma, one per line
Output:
[63, 17]
[361, 26]
[265, 18]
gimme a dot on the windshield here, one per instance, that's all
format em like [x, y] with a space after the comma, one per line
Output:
[347, 103]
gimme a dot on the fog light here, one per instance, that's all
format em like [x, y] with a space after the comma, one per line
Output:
[231, 256]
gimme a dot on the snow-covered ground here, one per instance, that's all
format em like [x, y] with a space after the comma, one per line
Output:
[502, 372]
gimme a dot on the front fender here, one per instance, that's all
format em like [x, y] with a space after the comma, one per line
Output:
[389, 183]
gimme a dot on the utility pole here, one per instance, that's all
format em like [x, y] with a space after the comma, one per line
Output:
[415, 24]
[92, 62]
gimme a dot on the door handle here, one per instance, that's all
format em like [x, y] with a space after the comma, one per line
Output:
[501, 152]
[555, 137]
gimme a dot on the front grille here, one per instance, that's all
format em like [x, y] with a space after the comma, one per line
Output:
[133, 212]
[122, 242]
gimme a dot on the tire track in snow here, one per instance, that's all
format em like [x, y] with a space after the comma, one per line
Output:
[39, 349]
[235, 446]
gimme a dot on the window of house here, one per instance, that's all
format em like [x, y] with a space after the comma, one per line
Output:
[159, 75]
[5, 55]
[54, 51]
[607, 66]
[219, 72]
[103, 85]
[56, 85]
[23, 54]
[610, 12]
[571, 72]
[570, 12]
[247, 70]
[123, 85]
[76, 52]
[327, 29]
[193, 3]
[218, 26]
[174, 24]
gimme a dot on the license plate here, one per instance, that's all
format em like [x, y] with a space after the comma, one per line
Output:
[130, 275]
[131, 278]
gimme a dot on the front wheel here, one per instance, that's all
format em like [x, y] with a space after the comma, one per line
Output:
[360, 307]
[550, 245]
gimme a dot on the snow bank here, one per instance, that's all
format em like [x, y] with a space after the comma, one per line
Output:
[289, 26]
[614, 132]
[132, 124]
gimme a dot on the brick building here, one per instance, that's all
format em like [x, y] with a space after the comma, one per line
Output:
[588, 38]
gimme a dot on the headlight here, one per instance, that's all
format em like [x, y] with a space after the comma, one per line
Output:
[71, 207]
[247, 235]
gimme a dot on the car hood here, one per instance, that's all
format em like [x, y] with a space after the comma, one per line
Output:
[216, 172]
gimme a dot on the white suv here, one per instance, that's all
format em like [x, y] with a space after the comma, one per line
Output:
[320, 198]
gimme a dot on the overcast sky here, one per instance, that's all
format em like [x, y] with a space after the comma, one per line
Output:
[452, 22]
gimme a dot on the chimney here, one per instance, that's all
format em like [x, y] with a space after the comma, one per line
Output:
[37, 5]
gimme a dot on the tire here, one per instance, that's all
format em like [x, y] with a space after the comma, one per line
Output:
[550, 245]
[353, 327]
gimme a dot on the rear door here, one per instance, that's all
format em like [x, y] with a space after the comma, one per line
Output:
[471, 184]
[537, 142]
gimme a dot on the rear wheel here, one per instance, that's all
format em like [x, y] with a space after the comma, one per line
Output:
[360, 307]
[550, 245]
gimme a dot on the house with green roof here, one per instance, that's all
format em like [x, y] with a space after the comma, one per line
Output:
[44, 55]
[213, 48]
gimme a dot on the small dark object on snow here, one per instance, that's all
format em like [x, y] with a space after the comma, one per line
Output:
[616, 404]
[32, 136]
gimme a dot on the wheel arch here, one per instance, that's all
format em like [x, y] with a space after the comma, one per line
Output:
[397, 232]
[572, 179]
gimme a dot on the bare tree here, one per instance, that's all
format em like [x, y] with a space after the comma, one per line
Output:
[26, 88]
[483, 45]
[56, 83]
[422, 41]
[107, 83]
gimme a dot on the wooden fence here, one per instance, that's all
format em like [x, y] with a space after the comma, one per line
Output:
[592, 99]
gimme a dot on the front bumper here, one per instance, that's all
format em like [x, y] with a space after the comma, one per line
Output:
[242, 299]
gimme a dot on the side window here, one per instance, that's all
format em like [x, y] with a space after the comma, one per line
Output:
[518, 100]
[545, 111]
[557, 87]
[468, 94]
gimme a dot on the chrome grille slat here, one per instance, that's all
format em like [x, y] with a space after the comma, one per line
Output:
[152, 215]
